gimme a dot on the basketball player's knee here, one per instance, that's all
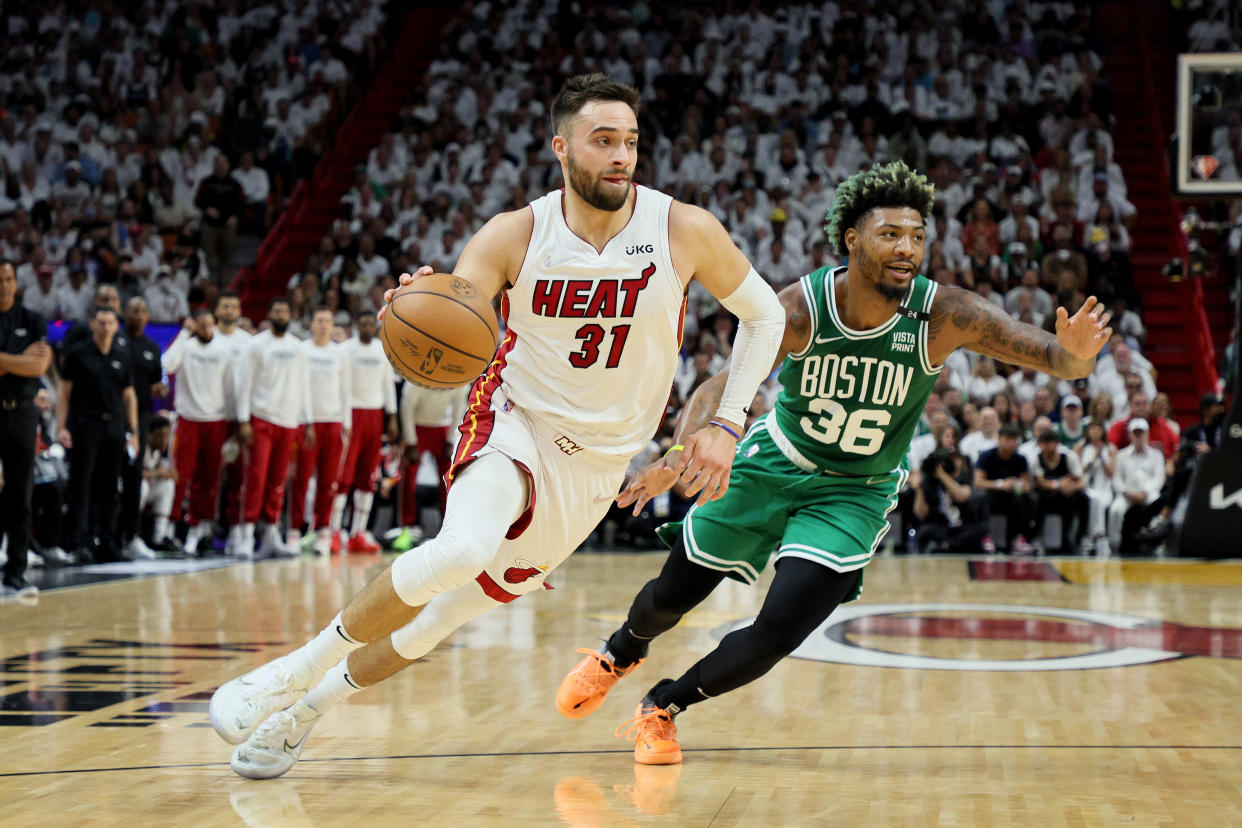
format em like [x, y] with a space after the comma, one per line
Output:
[776, 637]
[669, 598]
[438, 620]
[444, 563]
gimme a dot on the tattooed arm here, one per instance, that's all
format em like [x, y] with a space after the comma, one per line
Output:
[660, 475]
[964, 319]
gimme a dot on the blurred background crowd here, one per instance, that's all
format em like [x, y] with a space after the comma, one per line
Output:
[148, 148]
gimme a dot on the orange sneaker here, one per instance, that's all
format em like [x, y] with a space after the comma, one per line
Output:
[335, 547]
[360, 543]
[654, 735]
[583, 689]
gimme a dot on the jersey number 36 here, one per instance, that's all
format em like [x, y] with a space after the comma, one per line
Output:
[857, 432]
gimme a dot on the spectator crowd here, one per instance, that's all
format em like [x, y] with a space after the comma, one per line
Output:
[137, 143]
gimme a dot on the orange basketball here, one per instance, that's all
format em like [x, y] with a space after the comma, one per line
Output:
[439, 331]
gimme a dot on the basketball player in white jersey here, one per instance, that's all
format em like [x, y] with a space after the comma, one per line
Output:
[373, 410]
[593, 279]
[319, 450]
[273, 400]
[228, 312]
[203, 366]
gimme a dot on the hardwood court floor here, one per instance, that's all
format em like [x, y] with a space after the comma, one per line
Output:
[103, 718]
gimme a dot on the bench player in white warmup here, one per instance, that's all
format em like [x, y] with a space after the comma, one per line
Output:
[594, 279]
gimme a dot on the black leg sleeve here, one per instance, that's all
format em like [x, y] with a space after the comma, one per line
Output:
[803, 595]
[681, 586]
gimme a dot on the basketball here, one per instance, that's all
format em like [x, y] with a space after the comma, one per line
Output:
[439, 332]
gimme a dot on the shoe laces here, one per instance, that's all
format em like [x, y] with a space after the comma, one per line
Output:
[591, 677]
[279, 681]
[275, 729]
[653, 724]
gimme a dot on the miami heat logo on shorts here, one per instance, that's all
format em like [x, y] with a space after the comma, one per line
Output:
[523, 570]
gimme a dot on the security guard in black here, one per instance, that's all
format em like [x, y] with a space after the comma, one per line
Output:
[24, 358]
[95, 409]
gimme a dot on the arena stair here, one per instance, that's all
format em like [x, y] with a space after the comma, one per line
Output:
[315, 202]
[1188, 322]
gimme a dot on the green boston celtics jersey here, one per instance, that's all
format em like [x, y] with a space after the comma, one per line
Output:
[850, 400]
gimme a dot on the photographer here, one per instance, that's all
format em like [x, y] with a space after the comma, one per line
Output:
[1004, 476]
[953, 519]
[1059, 485]
[1199, 439]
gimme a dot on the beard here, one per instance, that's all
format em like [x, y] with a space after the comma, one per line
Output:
[891, 292]
[594, 191]
[201, 338]
[279, 327]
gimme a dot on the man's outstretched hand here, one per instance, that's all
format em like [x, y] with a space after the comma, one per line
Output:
[704, 463]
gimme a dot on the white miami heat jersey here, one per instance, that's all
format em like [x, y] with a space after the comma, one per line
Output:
[593, 337]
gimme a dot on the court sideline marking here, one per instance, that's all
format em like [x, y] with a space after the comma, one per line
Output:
[769, 748]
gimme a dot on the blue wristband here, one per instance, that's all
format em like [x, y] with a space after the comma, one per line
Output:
[719, 424]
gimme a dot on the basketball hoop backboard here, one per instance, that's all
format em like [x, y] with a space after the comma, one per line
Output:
[1209, 106]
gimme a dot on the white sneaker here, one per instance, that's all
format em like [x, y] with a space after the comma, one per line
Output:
[323, 542]
[293, 540]
[1103, 548]
[241, 705]
[56, 556]
[273, 545]
[33, 559]
[198, 532]
[138, 550]
[276, 746]
[244, 547]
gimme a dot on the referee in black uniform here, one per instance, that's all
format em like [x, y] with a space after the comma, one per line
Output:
[95, 408]
[24, 357]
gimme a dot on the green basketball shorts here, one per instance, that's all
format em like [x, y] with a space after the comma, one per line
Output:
[774, 506]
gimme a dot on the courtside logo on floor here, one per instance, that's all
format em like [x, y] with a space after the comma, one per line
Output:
[856, 634]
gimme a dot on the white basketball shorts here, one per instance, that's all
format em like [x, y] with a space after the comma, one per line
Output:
[571, 490]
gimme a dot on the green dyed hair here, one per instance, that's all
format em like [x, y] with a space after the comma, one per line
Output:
[884, 185]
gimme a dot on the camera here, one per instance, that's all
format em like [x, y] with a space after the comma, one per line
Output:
[941, 459]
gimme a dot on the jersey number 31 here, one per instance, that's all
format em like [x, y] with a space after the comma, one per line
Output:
[860, 431]
[591, 335]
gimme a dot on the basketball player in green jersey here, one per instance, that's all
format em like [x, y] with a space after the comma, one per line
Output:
[815, 478]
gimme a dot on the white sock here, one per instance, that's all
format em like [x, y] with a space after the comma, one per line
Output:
[338, 512]
[362, 512]
[336, 686]
[160, 530]
[310, 661]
